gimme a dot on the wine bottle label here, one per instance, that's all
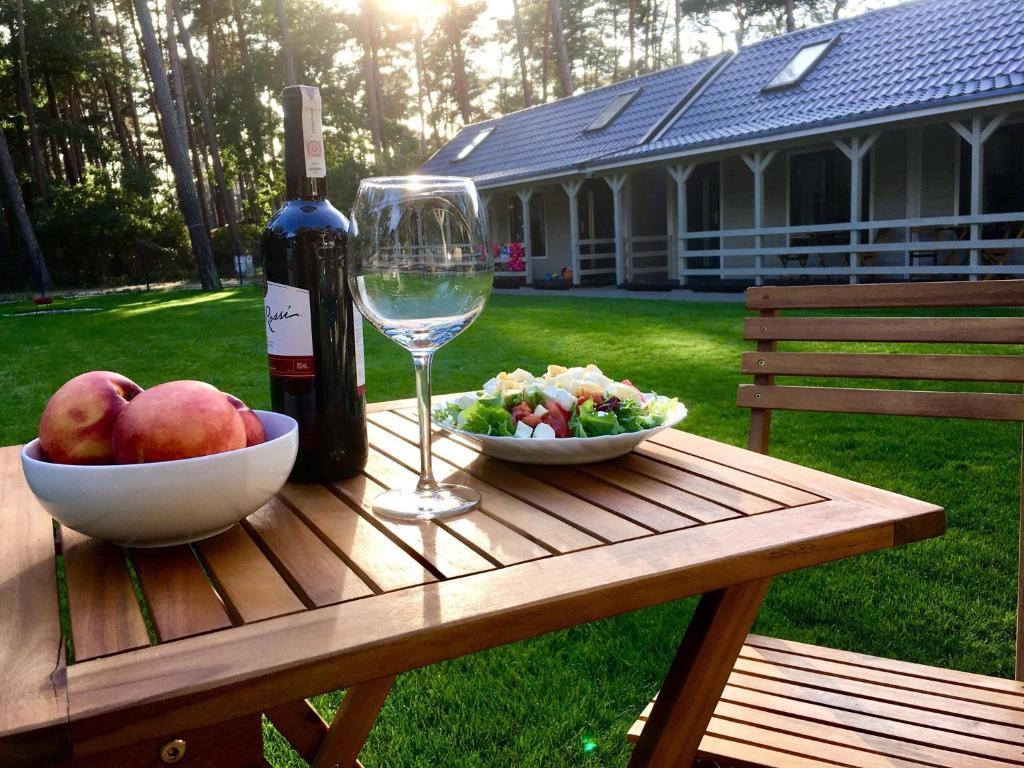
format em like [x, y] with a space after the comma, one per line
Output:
[289, 331]
[357, 327]
[313, 133]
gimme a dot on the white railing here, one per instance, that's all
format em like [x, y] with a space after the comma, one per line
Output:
[974, 250]
[647, 255]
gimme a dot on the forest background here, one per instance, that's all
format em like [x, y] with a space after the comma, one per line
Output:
[140, 140]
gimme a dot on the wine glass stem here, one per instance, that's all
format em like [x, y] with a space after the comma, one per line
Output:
[421, 362]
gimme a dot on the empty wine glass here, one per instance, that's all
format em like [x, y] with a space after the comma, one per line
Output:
[420, 270]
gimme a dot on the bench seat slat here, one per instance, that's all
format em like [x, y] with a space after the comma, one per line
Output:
[891, 402]
[790, 704]
[956, 330]
[1002, 368]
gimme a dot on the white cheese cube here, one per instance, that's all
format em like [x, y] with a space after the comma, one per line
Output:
[468, 399]
[523, 430]
[565, 400]
[543, 431]
[540, 410]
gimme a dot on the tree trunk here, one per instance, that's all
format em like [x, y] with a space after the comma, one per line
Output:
[458, 64]
[254, 127]
[72, 171]
[177, 79]
[226, 203]
[790, 21]
[545, 58]
[420, 86]
[632, 38]
[133, 111]
[677, 43]
[561, 52]
[286, 46]
[78, 117]
[108, 85]
[837, 8]
[212, 51]
[28, 236]
[177, 154]
[35, 144]
[521, 50]
[371, 75]
[147, 79]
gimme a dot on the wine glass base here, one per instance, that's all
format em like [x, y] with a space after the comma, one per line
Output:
[413, 505]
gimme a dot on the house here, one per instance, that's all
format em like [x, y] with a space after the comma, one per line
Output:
[880, 147]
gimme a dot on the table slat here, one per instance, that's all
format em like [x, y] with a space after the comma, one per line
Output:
[250, 586]
[314, 572]
[784, 495]
[33, 696]
[370, 552]
[105, 614]
[610, 497]
[682, 501]
[180, 598]
[723, 495]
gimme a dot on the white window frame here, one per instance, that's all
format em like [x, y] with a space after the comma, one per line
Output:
[775, 85]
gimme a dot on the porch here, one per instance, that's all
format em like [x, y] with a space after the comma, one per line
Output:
[925, 200]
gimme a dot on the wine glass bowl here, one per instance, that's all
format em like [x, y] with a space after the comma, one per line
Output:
[420, 270]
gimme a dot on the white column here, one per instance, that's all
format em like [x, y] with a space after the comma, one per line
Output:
[485, 214]
[524, 198]
[757, 163]
[856, 151]
[680, 173]
[572, 188]
[913, 210]
[976, 135]
[617, 182]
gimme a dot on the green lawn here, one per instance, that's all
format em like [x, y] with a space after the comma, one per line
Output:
[568, 698]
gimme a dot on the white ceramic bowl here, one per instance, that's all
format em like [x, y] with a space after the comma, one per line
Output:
[167, 502]
[565, 450]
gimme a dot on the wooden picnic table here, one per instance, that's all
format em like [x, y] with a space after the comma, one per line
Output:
[313, 593]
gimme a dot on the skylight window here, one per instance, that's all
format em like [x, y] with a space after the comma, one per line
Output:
[798, 67]
[477, 140]
[612, 110]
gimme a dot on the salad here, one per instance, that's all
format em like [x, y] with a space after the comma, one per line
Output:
[564, 402]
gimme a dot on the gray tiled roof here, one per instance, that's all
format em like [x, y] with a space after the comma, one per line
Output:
[907, 57]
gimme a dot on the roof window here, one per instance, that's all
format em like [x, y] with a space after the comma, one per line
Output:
[798, 67]
[477, 140]
[612, 110]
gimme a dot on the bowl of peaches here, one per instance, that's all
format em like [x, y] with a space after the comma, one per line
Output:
[179, 462]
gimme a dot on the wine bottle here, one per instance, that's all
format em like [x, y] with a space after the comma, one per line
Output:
[314, 332]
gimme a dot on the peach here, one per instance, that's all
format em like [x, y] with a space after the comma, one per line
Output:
[254, 432]
[177, 420]
[78, 422]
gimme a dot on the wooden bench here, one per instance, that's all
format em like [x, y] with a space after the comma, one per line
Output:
[792, 705]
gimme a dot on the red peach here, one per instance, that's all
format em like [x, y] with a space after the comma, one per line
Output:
[177, 420]
[254, 432]
[78, 421]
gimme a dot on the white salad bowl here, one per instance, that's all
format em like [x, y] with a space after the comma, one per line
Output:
[566, 450]
[167, 502]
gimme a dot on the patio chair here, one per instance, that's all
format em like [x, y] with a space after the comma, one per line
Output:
[1000, 255]
[793, 705]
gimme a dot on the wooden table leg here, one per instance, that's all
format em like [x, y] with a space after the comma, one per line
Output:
[352, 723]
[698, 674]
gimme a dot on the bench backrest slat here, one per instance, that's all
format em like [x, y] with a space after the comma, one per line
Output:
[768, 329]
[858, 365]
[961, 330]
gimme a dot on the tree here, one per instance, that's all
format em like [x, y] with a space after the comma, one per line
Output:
[28, 236]
[35, 145]
[371, 71]
[286, 45]
[177, 154]
[108, 84]
[458, 60]
[227, 204]
[521, 53]
[561, 52]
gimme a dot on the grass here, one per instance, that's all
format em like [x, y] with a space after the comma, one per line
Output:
[566, 699]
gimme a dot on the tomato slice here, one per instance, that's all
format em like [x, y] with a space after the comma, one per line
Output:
[556, 418]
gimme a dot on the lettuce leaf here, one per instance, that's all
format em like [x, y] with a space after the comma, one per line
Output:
[629, 415]
[595, 423]
[656, 412]
[487, 417]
